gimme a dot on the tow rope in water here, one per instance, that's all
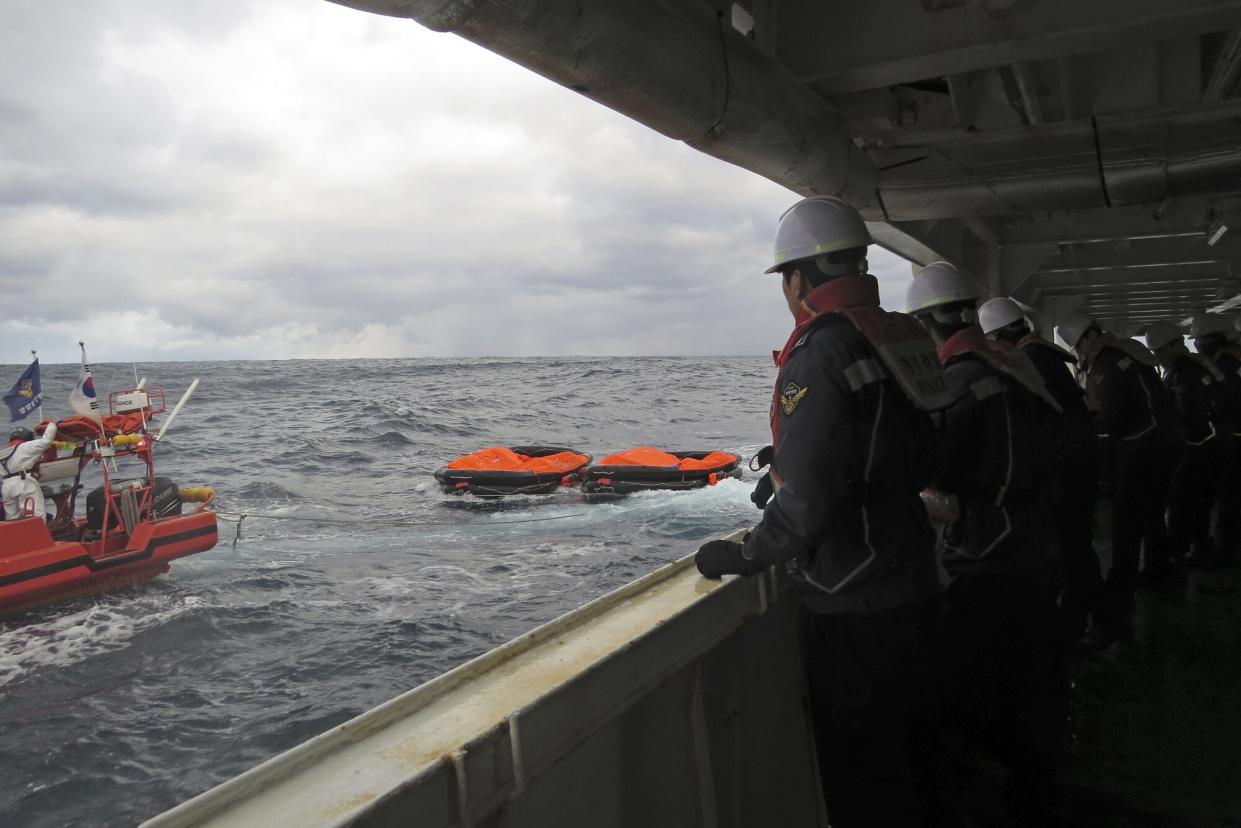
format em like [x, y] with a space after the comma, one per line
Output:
[241, 517]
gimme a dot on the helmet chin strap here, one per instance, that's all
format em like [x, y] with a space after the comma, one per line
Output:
[847, 268]
[955, 317]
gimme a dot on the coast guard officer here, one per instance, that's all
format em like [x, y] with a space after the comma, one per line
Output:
[851, 438]
[1002, 320]
[1133, 413]
[20, 488]
[1214, 338]
[1004, 681]
[1194, 383]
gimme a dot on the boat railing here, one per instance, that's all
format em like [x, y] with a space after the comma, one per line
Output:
[630, 710]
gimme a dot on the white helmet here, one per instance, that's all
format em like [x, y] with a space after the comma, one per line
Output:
[1073, 326]
[1211, 323]
[939, 283]
[998, 313]
[1161, 333]
[817, 226]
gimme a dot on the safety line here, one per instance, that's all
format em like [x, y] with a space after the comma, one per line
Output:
[241, 518]
[381, 522]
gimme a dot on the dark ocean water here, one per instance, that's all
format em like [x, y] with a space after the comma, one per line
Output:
[117, 707]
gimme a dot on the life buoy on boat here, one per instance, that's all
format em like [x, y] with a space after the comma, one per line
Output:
[645, 468]
[497, 471]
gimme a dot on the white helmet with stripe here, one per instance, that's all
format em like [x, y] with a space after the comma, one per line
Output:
[817, 227]
[1073, 327]
[939, 283]
[1161, 333]
[998, 313]
[1211, 323]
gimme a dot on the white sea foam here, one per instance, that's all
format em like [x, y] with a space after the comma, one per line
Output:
[70, 639]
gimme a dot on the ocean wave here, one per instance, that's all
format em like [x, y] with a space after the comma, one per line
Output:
[64, 640]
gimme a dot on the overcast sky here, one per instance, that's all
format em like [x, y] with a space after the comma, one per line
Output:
[217, 179]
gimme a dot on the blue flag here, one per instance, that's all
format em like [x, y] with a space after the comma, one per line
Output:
[26, 395]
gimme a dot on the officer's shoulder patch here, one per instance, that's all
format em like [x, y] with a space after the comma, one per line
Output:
[791, 395]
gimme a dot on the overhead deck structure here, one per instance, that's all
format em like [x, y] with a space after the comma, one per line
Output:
[1070, 153]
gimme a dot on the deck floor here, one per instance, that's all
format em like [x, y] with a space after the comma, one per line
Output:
[1158, 721]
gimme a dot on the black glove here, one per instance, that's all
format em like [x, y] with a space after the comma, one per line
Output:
[763, 490]
[763, 458]
[719, 557]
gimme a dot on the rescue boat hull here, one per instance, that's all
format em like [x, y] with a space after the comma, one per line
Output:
[37, 569]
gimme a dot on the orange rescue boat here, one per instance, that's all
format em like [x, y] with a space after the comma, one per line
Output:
[132, 528]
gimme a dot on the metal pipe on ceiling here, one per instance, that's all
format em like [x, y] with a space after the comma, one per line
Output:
[1133, 266]
[1101, 162]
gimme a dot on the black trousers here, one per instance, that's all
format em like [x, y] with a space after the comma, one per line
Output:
[1144, 473]
[1004, 681]
[1190, 499]
[872, 701]
[1228, 501]
[1074, 519]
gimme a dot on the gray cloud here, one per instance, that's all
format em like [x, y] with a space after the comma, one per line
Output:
[198, 180]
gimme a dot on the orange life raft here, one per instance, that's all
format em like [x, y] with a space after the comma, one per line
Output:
[497, 471]
[643, 468]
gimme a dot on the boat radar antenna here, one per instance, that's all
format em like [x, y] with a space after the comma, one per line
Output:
[180, 403]
[138, 385]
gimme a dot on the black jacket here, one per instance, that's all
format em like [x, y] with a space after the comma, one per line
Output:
[1193, 389]
[1228, 398]
[851, 456]
[1131, 404]
[1076, 428]
[991, 457]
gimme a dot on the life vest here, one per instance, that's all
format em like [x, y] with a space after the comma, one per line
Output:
[1017, 364]
[1131, 348]
[1005, 358]
[1158, 404]
[1032, 338]
[905, 351]
[5, 474]
[1211, 368]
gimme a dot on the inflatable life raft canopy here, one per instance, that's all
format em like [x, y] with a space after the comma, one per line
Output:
[497, 471]
[645, 468]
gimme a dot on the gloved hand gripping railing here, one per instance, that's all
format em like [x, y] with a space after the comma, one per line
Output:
[764, 489]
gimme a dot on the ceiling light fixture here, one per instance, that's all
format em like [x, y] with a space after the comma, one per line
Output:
[1216, 232]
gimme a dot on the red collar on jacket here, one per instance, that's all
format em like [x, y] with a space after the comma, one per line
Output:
[842, 292]
[964, 341]
[1031, 338]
